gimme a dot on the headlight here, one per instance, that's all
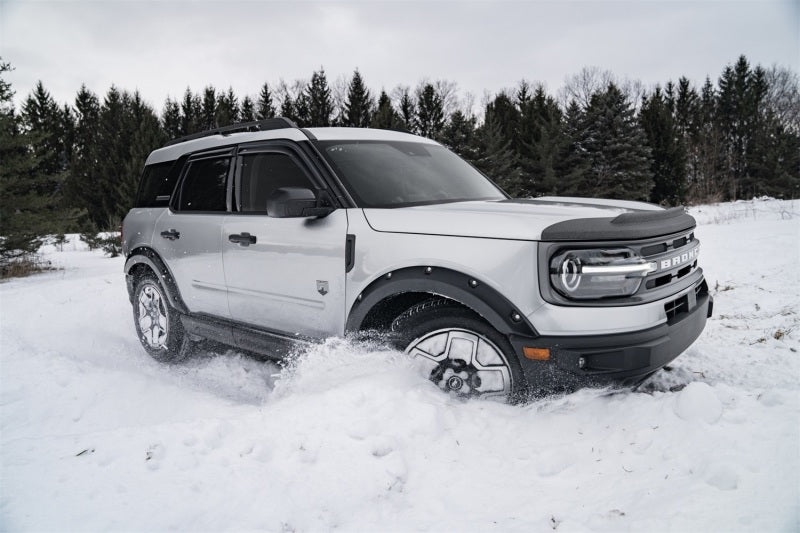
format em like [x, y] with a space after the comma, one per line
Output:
[598, 273]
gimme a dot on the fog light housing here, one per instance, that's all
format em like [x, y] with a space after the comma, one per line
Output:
[598, 273]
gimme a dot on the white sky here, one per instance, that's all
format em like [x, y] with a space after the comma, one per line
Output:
[163, 47]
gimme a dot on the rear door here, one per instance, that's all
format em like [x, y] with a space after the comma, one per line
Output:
[189, 235]
[283, 274]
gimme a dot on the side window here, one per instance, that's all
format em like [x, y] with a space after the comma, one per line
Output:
[263, 173]
[156, 186]
[205, 185]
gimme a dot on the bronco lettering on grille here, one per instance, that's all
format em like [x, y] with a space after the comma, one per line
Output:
[685, 257]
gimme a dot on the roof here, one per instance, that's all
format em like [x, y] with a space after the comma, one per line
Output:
[174, 151]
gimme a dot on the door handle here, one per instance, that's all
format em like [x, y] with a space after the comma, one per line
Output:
[171, 234]
[242, 239]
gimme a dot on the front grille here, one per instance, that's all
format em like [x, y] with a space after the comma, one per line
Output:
[666, 251]
[676, 307]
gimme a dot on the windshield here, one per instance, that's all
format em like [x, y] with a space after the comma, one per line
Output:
[396, 174]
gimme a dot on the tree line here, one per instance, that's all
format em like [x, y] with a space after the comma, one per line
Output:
[74, 167]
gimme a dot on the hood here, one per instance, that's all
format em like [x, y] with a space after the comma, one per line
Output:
[498, 219]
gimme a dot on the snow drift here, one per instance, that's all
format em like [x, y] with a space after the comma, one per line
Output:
[350, 436]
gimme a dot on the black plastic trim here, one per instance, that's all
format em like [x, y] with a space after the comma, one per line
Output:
[276, 123]
[349, 252]
[280, 146]
[326, 170]
[226, 151]
[636, 225]
[162, 270]
[271, 343]
[624, 358]
[473, 293]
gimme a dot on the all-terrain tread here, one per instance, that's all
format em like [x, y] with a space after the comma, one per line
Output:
[432, 303]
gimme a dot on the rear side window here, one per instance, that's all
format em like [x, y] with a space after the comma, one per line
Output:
[205, 185]
[263, 173]
[156, 185]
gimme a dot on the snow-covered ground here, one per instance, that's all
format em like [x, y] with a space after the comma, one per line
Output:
[95, 435]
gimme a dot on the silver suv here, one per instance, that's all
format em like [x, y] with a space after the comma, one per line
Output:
[265, 235]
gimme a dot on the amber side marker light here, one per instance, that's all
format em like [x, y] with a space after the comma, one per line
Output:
[537, 354]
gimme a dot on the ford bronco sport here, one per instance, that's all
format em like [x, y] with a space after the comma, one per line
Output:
[264, 235]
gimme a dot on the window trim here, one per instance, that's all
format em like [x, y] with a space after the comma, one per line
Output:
[175, 201]
[277, 147]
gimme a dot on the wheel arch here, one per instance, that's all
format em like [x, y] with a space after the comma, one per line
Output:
[392, 293]
[143, 259]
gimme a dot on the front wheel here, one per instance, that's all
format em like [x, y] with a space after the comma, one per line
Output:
[464, 354]
[158, 325]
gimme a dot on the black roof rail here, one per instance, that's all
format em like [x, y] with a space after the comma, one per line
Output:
[276, 123]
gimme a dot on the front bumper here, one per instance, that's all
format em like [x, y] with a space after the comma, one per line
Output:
[623, 359]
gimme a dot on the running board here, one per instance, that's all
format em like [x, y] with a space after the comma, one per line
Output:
[273, 344]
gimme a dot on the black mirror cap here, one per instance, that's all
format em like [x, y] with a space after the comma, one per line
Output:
[295, 202]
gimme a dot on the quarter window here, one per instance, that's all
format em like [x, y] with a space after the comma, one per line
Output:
[263, 173]
[156, 185]
[205, 185]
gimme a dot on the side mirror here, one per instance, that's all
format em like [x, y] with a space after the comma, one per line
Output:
[295, 202]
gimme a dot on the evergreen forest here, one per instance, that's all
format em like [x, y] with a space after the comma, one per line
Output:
[74, 166]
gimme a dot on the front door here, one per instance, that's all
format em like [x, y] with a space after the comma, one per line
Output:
[283, 274]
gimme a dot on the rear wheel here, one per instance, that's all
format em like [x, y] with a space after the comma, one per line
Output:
[158, 325]
[464, 354]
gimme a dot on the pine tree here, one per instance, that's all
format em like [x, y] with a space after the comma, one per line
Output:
[494, 156]
[265, 108]
[113, 143]
[385, 116]
[248, 113]
[541, 141]
[459, 135]
[208, 110]
[318, 98]
[43, 121]
[142, 126]
[358, 106]
[301, 111]
[48, 129]
[79, 188]
[573, 163]
[23, 209]
[668, 164]
[287, 108]
[616, 147]
[191, 113]
[171, 119]
[408, 112]
[707, 178]
[430, 112]
[227, 111]
[506, 114]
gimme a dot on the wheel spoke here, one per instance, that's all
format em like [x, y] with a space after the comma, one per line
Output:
[152, 316]
[468, 365]
[492, 380]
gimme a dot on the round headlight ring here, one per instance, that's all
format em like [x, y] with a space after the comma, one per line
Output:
[571, 273]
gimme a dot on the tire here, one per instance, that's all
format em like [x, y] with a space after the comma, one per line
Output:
[158, 325]
[466, 355]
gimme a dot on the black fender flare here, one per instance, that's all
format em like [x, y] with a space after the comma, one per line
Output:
[144, 255]
[467, 290]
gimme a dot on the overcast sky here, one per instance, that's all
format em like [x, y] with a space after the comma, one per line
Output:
[161, 48]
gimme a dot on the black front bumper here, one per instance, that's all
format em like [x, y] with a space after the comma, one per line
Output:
[623, 359]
